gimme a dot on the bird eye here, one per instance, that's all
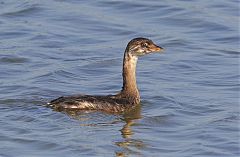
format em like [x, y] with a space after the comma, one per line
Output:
[144, 44]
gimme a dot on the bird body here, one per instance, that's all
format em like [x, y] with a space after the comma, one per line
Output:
[127, 98]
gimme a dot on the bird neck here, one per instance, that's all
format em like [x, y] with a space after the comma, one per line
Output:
[129, 88]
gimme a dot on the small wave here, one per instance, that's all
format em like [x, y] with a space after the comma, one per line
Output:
[20, 10]
[13, 60]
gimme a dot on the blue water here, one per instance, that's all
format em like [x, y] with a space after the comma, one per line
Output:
[190, 93]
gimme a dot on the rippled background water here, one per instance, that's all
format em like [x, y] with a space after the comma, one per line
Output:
[190, 94]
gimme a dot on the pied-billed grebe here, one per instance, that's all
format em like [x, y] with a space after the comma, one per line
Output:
[127, 98]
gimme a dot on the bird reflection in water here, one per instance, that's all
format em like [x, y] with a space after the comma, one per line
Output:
[127, 145]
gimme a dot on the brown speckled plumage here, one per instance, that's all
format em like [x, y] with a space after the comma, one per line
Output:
[127, 98]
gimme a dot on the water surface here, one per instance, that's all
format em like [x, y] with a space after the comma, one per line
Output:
[190, 93]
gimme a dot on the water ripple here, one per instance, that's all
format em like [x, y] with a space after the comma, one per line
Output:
[24, 8]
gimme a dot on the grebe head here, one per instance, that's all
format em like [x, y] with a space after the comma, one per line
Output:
[142, 46]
